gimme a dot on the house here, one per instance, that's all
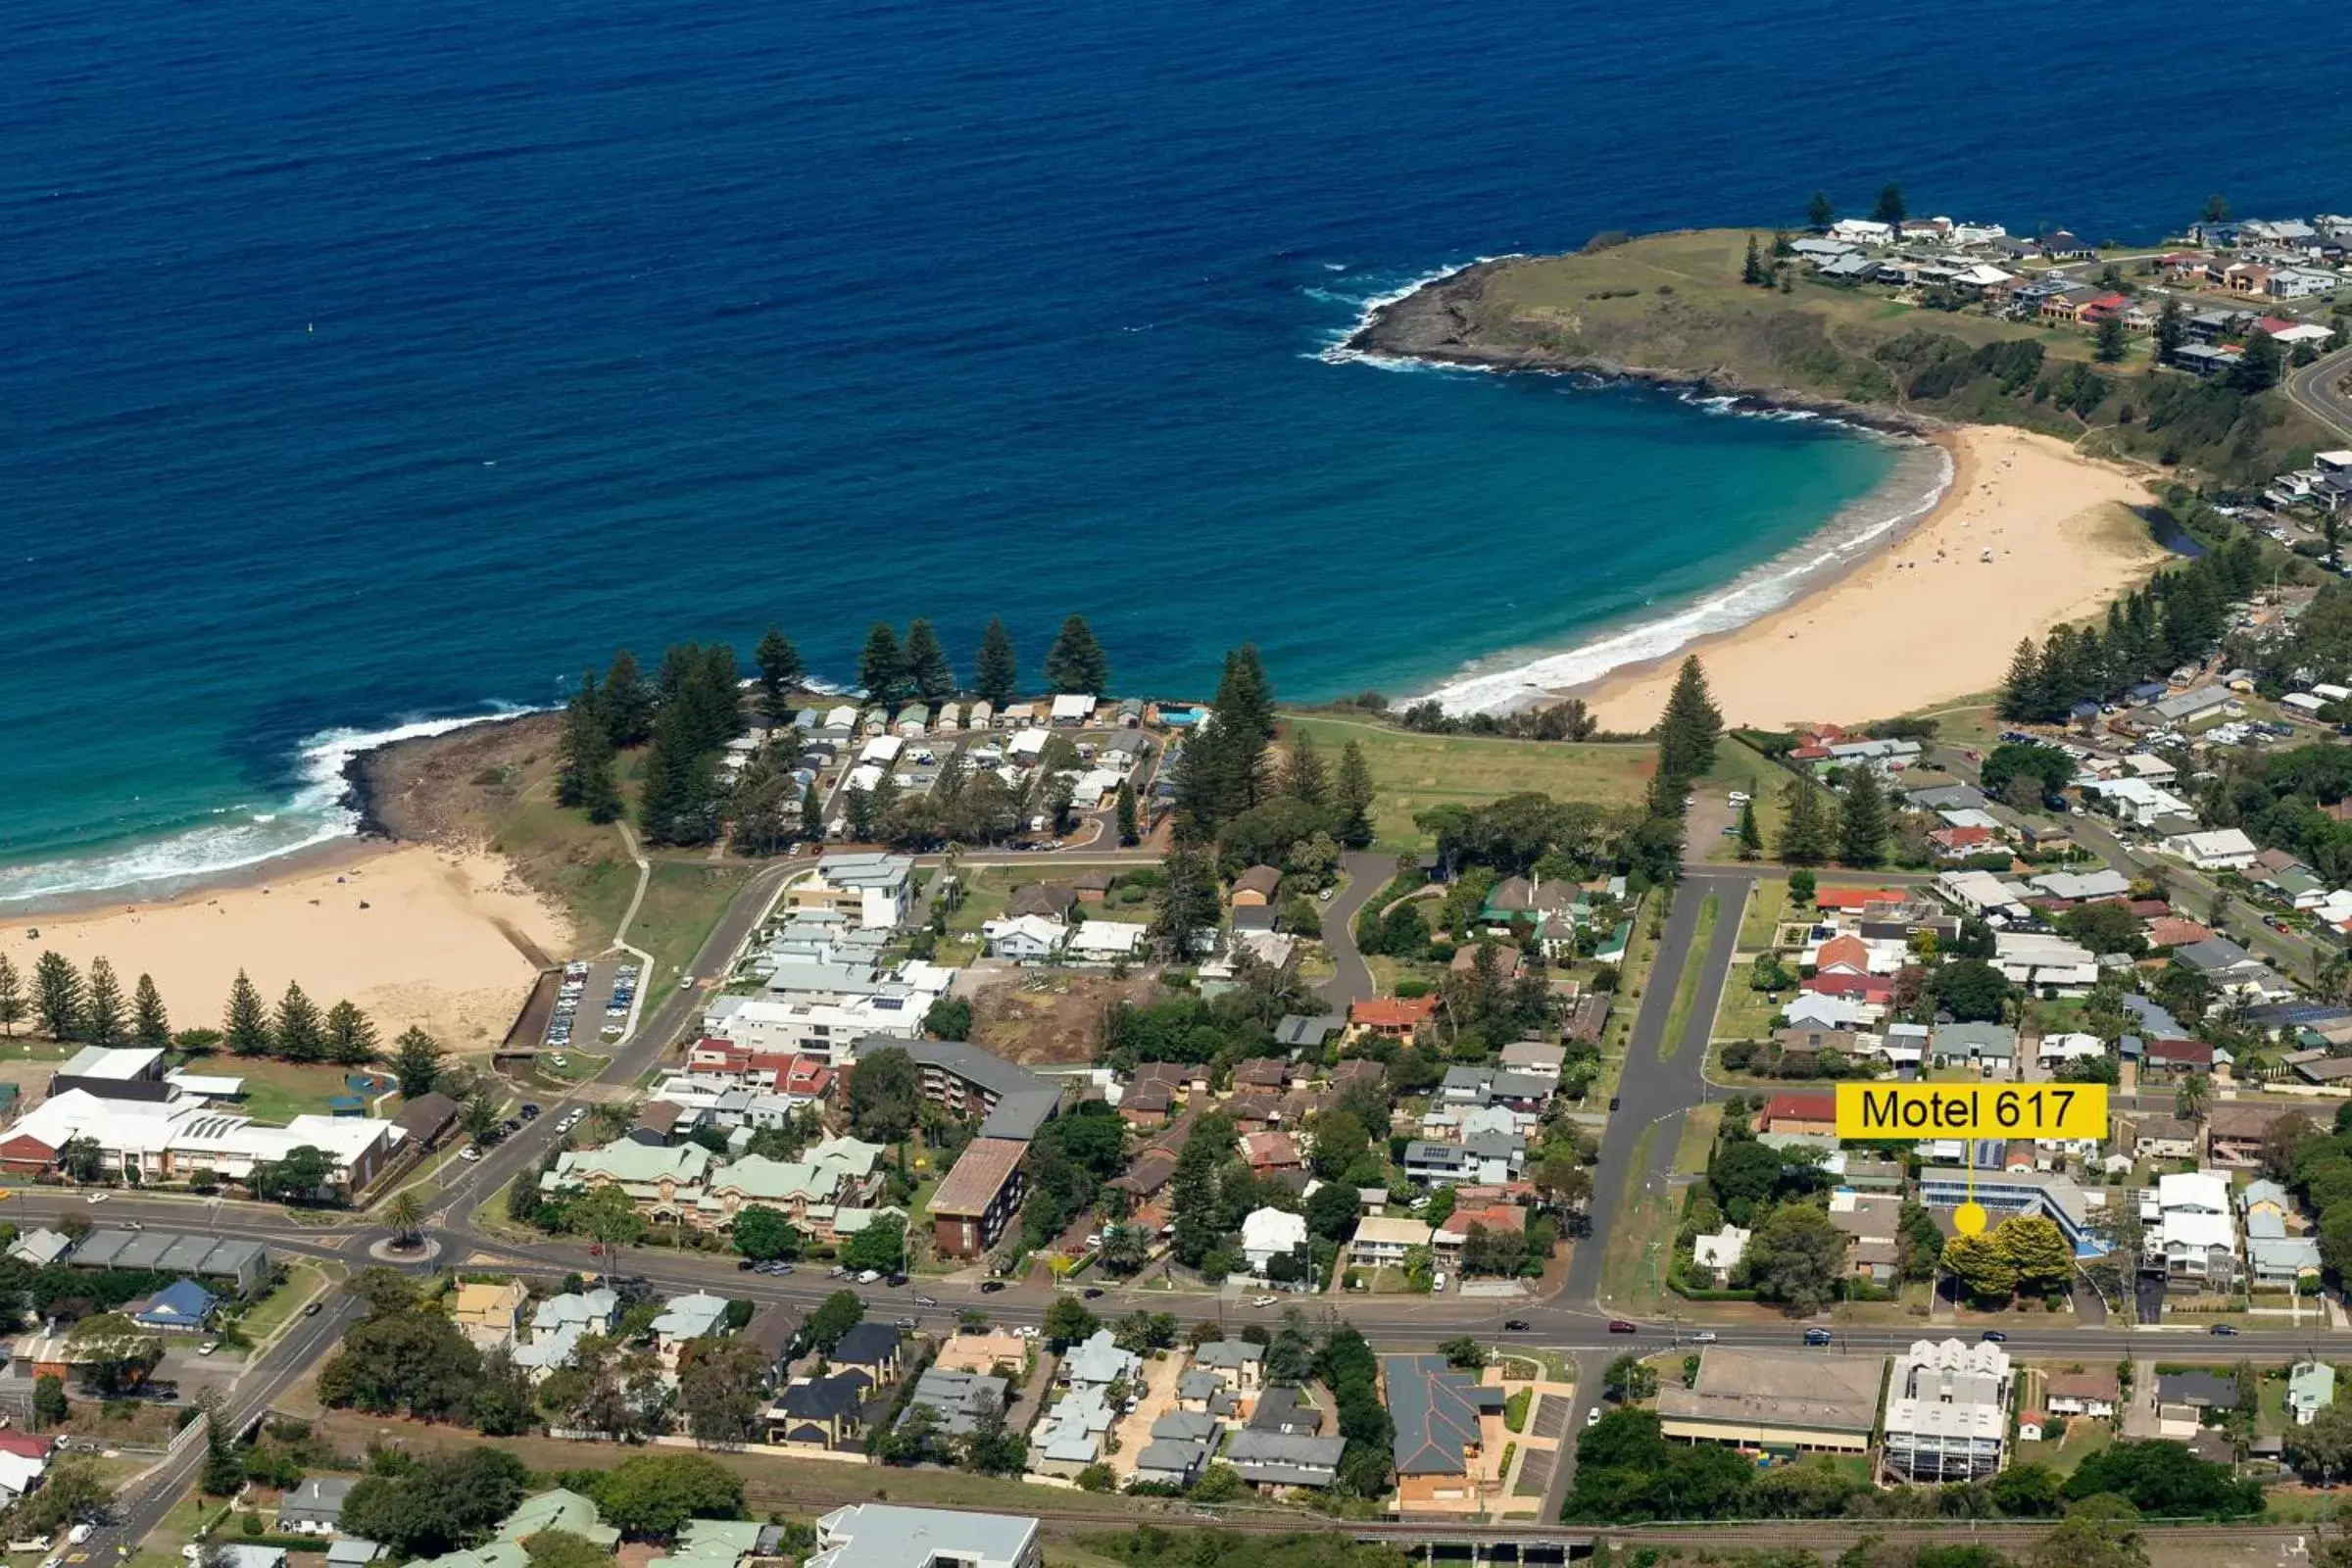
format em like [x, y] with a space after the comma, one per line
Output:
[316, 1508]
[1105, 942]
[2235, 1129]
[488, 1313]
[1268, 1234]
[2159, 1137]
[1256, 887]
[871, 1347]
[2199, 1391]
[1446, 1423]
[876, 1535]
[1991, 1046]
[2310, 1389]
[350, 1551]
[821, 1413]
[1286, 1411]
[2096, 1394]
[2195, 1236]
[173, 1137]
[1776, 1399]
[1947, 1412]
[2217, 849]
[1389, 1017]
[1285, 1459]
[1024, 938]
[1382, 1242]
[182, 1307]
[962, 1399]
[1237, 1363]
[1494, 1219]
[41, 1246]
[1172, 1461]
[1098, 1362]
[1720, 1252]
[1812, 1113]
[244, 1266]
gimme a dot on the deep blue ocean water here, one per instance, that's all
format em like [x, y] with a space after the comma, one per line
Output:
[368, 365]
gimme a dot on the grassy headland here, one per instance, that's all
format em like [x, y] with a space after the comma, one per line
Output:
[1671, 307]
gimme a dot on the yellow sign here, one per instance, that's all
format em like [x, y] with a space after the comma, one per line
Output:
[1971, 1110]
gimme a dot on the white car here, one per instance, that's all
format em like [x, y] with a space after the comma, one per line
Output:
[98, 1198]
[1027, 1331]
[1263, 1300]
[208, 1347]
[81, 1533]
[1593, 1416]
[1737, 797]
[1704, 1337]
[469, 1154]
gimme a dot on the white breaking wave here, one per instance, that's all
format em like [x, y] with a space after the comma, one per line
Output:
[317, 811]
[1337, 351]
[1857, 531]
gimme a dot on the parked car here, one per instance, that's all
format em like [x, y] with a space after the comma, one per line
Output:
[208, 1347]
[870, 1276]
[469, 1154]
[1593, 1416]
[895, 1281]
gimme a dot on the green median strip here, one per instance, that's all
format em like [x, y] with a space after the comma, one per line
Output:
[1694, 968]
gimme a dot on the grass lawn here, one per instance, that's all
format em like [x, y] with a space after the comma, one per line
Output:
[1413, 773]
[277, 1091]
[1746, 1013]
[1766, 907]
[1695, 970]
[2083, 1438]
[1633, 1271]
[272, 1312]
[1700, 1124]
[683, 903]
[1741, 768]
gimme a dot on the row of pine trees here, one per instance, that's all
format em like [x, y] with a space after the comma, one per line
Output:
[2175, 618]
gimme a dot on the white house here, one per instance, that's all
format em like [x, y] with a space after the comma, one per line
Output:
[1269, 1232]
[1862, 231]
[1721, 1252]
[2056, 1049]
[1073, 709]
[1025, 939]
[2225, 849]
[1105, 941]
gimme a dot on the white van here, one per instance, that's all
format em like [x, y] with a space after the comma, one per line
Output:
[1436, 1283]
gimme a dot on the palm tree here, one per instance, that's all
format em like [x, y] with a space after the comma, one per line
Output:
[2190, 1099]
[406, 1216]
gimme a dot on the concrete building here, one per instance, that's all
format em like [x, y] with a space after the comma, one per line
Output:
[1760, 1399]
[1947, 1412]
[980, 1194]
[171, 1141]
[876, 1535]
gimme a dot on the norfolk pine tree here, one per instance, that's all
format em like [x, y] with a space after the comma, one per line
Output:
[813, 813]
[2171, 331]
[1861, 818]
[1305, 778]
[1128, 827]
[1075, 663]
[1351, 799]
[57, 996]
[882, 668]
[350, 1038]
[1804, 825]
[2108, 343]
[628, 701]
[927, 667]
[1753, 269]
[297, 1032]
[102, 1018]
[1688, 732]
[1819, 213]
[416, 1061]
[12, 996]
[245, 1025]
[150, 1027]
[1889, 209]
[997, 674]
[584, 757]
[1752, 838]
[780, 670]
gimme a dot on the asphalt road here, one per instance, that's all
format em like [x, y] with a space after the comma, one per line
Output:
[142, 1507]
[1351, 977]
[2318, 389]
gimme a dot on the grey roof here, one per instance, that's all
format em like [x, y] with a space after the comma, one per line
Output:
[959, 1396]
[350, 1551]
[1282, 1460]
[1283, 1406]
[2214, 952]
[1436, 1410]
[867, 1344]
[319, 1500]
[1169, 1456]
[1199, 1385]
[1299, 1029]
[2199, 1389]
[1025, 1102]
[1224, 1353]
[827, 1397]
[172, 1250]
[1186, 1425]
[883, 1535]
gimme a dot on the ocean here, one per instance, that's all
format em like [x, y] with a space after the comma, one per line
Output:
[370, 367]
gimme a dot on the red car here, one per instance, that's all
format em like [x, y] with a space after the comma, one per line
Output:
[1618, 1325]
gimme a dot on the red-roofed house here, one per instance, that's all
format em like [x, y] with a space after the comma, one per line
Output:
[1815, 1114]
[27, 1444]
[2173, 932]
[1391, 1018]
[1843, 955]
[2272, 325]
[1957, 843]
[1270, 1152]
[1876, 989]
[2179, 1056]
[2092, 311]
[1495, 1218]
[1827, 898]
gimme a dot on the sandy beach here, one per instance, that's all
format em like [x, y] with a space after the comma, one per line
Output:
[410, 933]
[1929, 619]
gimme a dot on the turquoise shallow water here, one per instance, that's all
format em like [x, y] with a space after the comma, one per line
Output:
[385, 366]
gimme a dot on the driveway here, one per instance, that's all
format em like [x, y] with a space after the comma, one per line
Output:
[1351, 981]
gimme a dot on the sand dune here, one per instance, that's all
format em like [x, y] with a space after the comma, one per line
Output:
[1930, 619]
[445, 941]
